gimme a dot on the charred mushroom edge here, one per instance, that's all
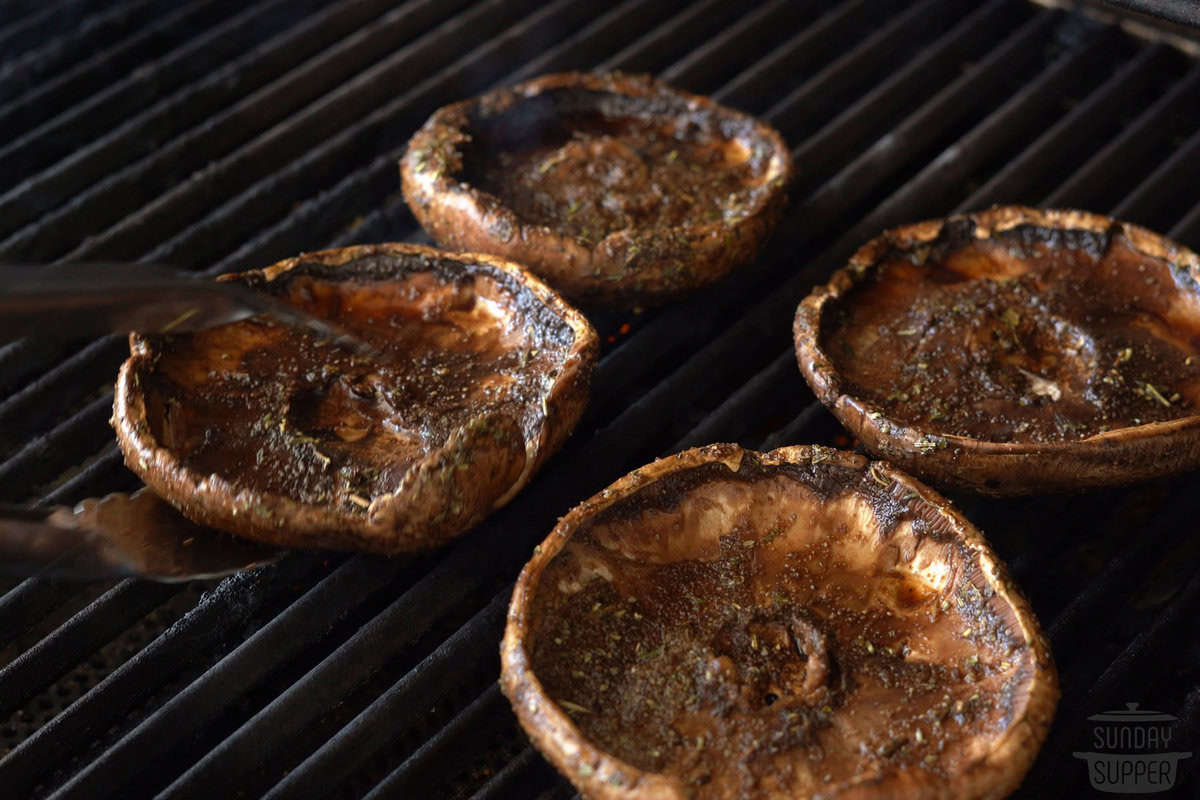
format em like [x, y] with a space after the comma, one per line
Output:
[602, 776]
[386, 527]
[1123, 455]
[624, 269]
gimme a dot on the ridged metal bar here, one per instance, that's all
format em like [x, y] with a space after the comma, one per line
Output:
[1141, 660]
[22, 73]
[1134, 662]
[261, 740]
[202, 121]
[100, 474]
[762, 27]
[1012, 123]
[1124, 155]
[31, 599]
[45, 457]
[817, 43]
[586, 47]
[412, 776]
[394, 709]
[282, 163]
[28, 28]
[808, 109]
[976, 88]
[307, 621]
[1157, 197]
[1021, 178]
[27, 412]
[515, 777]
[39, 133]
[669, 41]
[776, 387]
[1187, 230]
[84, 633]
[218, 620]
[1102, 596]
[812, 425]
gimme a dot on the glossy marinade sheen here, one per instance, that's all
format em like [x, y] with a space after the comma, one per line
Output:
[773, 637]
[275, 410]
[1033, 335]
[589, 175]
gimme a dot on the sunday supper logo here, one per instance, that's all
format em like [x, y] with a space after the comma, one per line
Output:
[1131, 753]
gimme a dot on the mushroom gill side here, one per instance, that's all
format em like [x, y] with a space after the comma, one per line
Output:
[727, 624]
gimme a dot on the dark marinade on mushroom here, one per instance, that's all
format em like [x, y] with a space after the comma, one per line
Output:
[278, 411]
[589, 170]
[761, 667]
[1034, 334]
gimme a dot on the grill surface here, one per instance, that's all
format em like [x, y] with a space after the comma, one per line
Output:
[221, 135]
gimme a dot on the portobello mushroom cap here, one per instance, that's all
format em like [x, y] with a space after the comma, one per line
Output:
[1013, 351]
[725, 623]
[261, 430]
[617, 189]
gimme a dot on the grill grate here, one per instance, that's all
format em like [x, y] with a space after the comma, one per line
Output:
[223, 136]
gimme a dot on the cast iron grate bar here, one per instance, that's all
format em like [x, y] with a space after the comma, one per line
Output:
[1023, 177]
[761, 28]
[1188, 229]
[1130, 665]
[84, 633]
[222, 614]
[1155, 197]
[28, 28]
[47, 456]
[371, 729]
[306, 620]
[1097, 180]
[204, 120]
[258, 742]
[515, 778]
[81, 96]
[20, 73]
[485, 714]
[812, 44]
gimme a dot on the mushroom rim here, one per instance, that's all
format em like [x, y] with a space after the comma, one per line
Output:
[596, 771]
[781, 167]
[583, 273]
[213, 498]
[827, 381]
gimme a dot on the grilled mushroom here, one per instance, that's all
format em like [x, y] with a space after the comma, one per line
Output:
[260, 429]
[800, 623]
[1014, 350]
[616, 189]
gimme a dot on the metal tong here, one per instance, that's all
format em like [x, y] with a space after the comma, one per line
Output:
[122, 535]
[67, 301]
